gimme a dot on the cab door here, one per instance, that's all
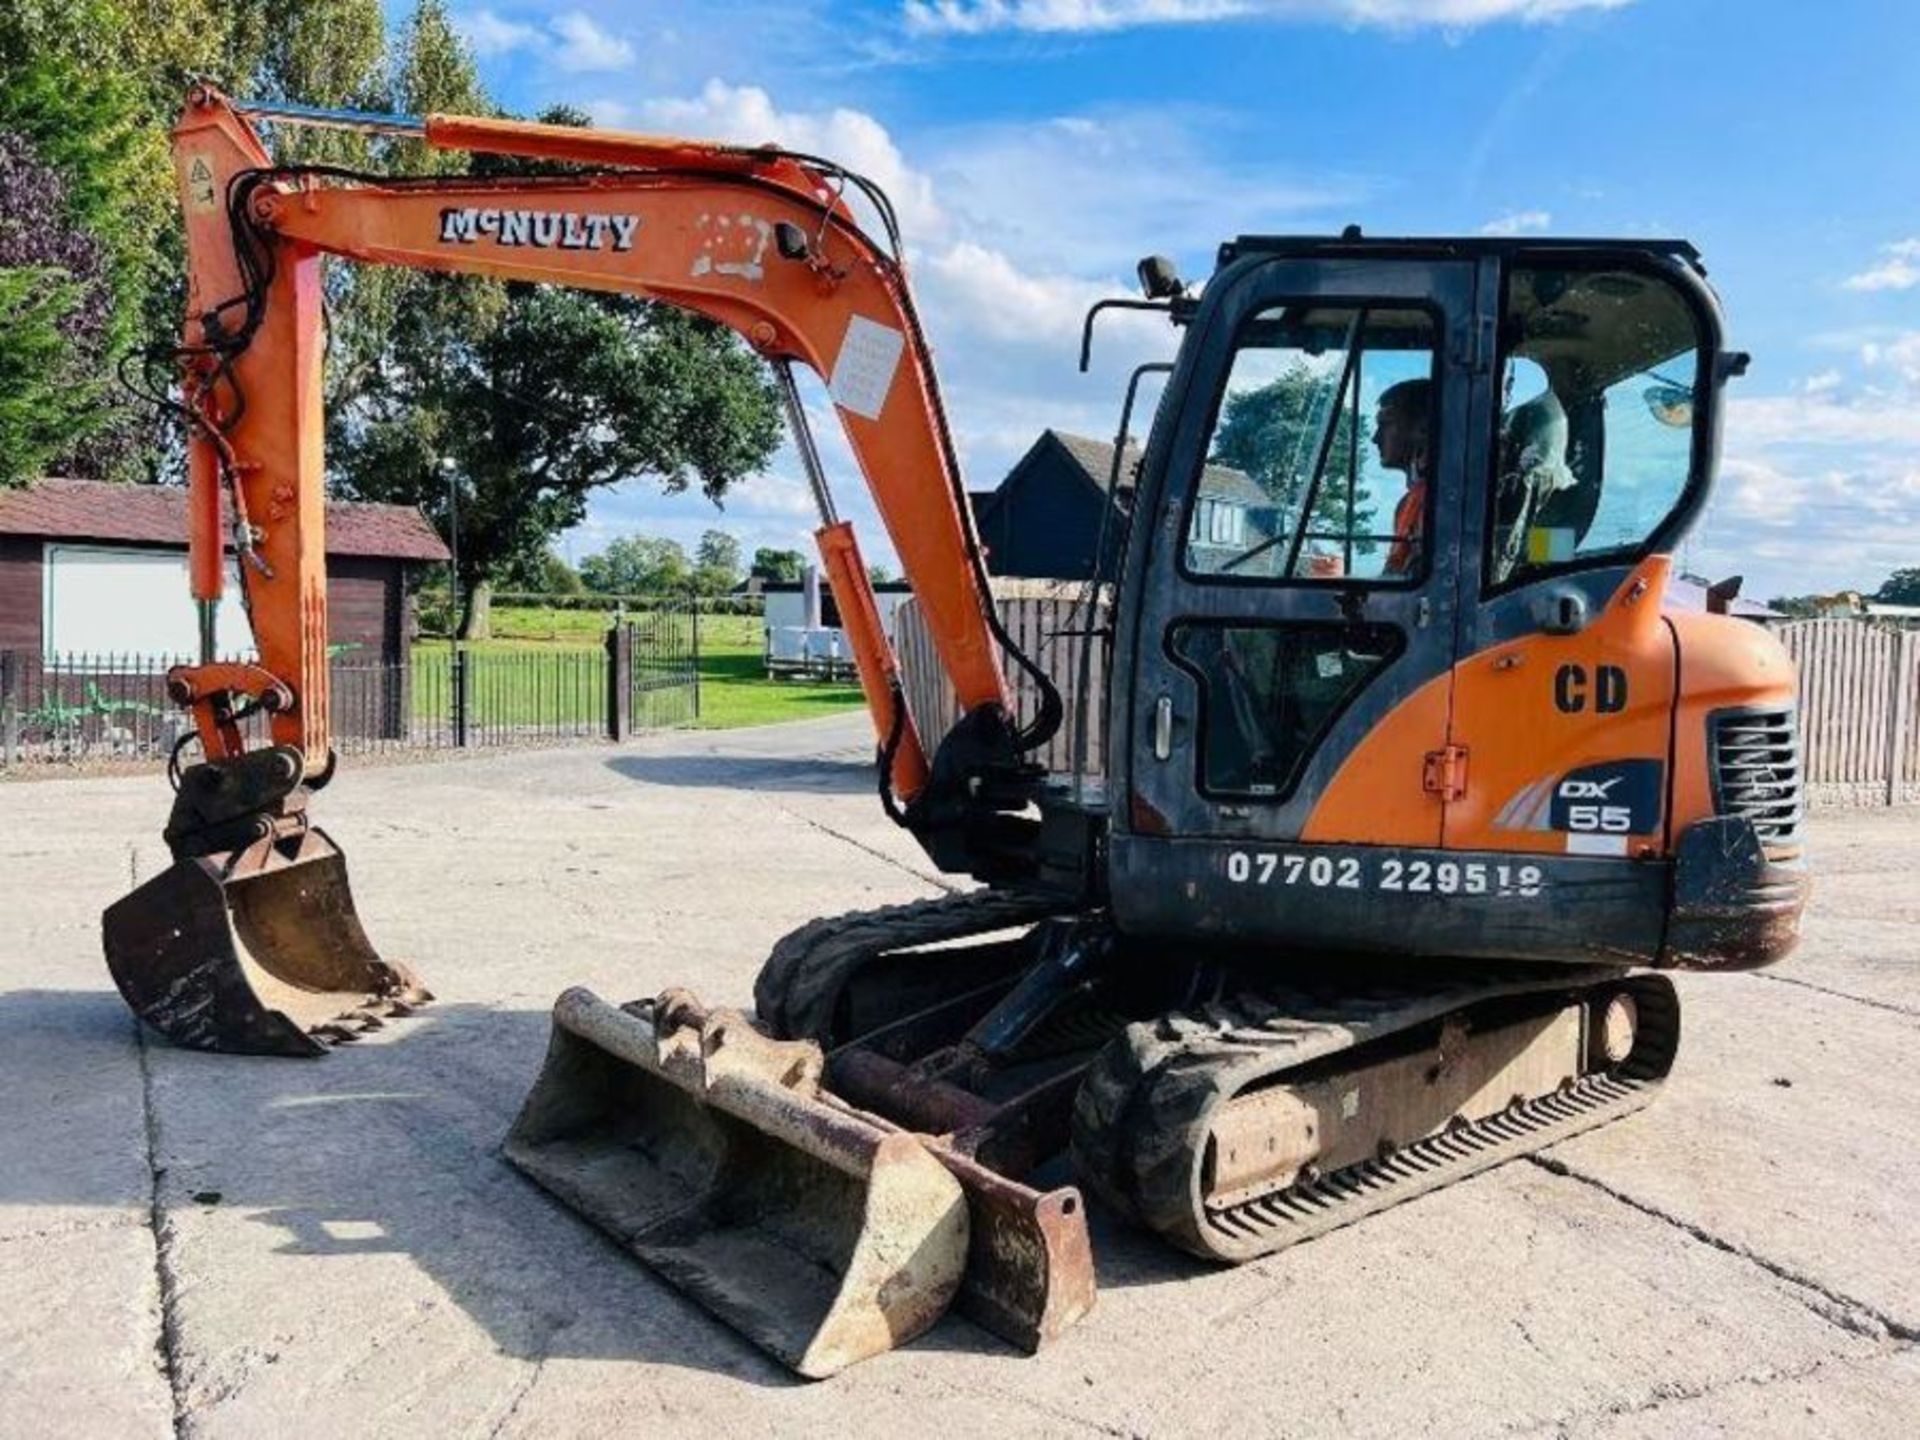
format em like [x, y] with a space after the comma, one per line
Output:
[1290, 583]
[1564, 700]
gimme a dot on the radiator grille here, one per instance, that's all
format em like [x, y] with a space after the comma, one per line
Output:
[1756, 766]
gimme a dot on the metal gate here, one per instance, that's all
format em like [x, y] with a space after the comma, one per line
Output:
[656, 667]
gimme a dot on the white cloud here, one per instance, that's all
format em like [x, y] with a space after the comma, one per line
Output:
[491, 35]
[1819, 490]
[584, 46]
[1518, 222]
[1807, 422]
[1900, 270]
[1091, 194]
[1898, 354]
[747, 115]
[975, 17]
[571, 41]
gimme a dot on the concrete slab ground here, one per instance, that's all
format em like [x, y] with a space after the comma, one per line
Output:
[214, 1246]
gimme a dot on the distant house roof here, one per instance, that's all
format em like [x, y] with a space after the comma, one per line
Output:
[1095, 458]
[157, 515]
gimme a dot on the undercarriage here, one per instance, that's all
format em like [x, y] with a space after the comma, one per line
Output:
[1233, 1104]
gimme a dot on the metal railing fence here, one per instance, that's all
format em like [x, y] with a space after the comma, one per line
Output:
[104, 707]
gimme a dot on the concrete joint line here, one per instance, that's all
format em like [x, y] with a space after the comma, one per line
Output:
[519, 1398]
[167, 1342]
[543, 1339]
[1683, 1393]
[1037, 1406]
[1897, 1009]
[1843, 1311]
[867, 849]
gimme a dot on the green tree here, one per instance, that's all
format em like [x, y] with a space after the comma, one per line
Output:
[638, 565]
[536, 404]
[86, 193]
[432, 72]
[546, 573]
[42, 414]
[94, 86]
[781, 566]
[716, 563]
[880, 575]
[1900, 588]
[1271, 434]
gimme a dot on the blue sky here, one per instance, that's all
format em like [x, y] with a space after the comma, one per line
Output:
[1036, 148]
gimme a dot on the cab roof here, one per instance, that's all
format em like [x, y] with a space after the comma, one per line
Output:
[1352, 244]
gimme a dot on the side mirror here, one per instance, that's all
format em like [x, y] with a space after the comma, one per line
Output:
[1159, 280]
[1671, 405]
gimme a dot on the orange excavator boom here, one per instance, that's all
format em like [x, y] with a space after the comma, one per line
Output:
[756, 239]
[762, 240]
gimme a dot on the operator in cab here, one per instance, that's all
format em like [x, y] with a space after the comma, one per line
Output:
[1401, 430]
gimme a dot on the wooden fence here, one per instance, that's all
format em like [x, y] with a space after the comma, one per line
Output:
[1859, 688]
[1048, 621]
[1857, 691]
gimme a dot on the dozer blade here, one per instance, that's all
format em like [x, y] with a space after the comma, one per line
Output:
[256, 952]
[823, 1233]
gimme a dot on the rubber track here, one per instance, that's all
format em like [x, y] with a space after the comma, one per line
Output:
[1145, 1110]
[796, 993]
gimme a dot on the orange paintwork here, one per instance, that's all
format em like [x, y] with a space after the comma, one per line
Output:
[1377, 797]
[1506, 718]
[210, 689]
[1723, 663]
[1499, 707]
[872, 655]
[274, 443]
[206, 575]
[700, 238]
[537, 141]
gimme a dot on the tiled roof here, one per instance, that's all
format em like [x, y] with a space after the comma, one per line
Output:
[1096, 458]
[157, 515]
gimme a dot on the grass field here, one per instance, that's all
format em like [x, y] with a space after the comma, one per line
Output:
[735, 689]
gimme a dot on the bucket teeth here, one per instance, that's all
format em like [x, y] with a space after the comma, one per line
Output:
[257, 952]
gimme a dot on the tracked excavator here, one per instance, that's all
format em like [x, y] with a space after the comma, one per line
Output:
[1416, 773]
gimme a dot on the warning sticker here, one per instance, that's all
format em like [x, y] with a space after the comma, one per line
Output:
[864, 372]
[200, 194]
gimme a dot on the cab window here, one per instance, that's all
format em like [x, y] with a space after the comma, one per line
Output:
[1320, 460]
[1599, 379]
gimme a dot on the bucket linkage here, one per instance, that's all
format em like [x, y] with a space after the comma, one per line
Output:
[249, 942]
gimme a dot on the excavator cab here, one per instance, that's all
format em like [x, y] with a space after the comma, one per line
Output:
[1392, 670]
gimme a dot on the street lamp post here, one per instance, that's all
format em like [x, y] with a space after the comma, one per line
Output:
[458, 673]
[452, 471]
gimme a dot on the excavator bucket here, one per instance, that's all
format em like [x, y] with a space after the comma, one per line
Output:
[254, 952]
[823, 1233]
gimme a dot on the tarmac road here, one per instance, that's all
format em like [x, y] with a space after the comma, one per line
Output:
[200, 1245]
